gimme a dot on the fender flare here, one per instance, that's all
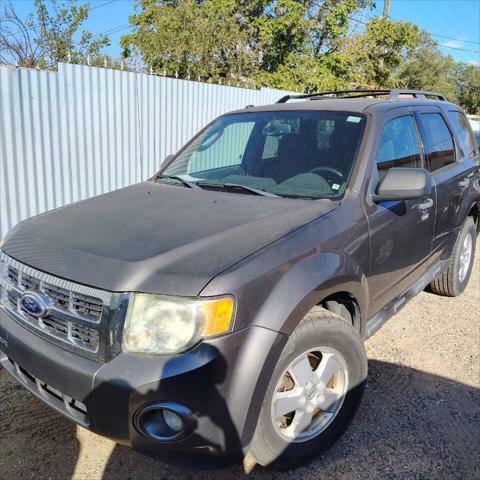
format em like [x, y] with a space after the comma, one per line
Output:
[306, 284]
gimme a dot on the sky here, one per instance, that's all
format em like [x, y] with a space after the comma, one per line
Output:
[459, 20]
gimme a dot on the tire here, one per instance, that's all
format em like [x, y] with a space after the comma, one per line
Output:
[340, 342]
[339, 309]
[454, 280]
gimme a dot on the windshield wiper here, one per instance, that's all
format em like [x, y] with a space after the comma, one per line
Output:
[235, 187]
[179, 179]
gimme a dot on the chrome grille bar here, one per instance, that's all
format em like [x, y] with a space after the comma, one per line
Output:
[104, 296]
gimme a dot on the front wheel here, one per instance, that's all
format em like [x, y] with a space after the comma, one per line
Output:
[314, 392]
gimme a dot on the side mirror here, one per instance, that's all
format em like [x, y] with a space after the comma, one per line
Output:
[403, 184]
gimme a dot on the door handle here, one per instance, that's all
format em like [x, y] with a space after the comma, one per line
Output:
[425, 205]
[464, 183]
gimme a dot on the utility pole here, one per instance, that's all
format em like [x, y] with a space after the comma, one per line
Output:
[386, 8]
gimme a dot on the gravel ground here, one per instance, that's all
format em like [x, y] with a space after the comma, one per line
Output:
[420, 417]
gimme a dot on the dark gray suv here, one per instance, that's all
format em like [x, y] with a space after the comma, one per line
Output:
[221, 306]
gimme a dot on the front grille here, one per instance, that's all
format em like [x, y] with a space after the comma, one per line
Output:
[84, 337]
[66, 302]
[81, 318]
[84, 305]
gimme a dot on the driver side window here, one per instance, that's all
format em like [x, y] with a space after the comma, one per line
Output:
[399, 146]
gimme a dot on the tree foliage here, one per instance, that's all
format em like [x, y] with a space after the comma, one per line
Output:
[468, 87]
[375, 56]
[300, 45]
[198, 39]
[281, 43]
[428, 69]
[48, 36]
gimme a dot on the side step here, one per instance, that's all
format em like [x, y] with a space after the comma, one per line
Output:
[374, 324]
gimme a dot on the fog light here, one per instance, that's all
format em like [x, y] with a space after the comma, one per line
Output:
[164, 421]
[173, 421]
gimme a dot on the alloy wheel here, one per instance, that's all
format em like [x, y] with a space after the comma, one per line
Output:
[309, 394]
[465, 257]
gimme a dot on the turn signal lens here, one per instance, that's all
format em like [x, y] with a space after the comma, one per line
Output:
[217, 316]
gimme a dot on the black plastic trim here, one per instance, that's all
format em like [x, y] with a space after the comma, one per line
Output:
[186, 415]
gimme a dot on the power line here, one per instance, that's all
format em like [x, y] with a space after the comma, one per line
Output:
[123, 27]
[458, 48]
[102, 5]
[437, 34]
[12, 34]
[448, 21]
[112, 30]
[443, 36]
[452, 38]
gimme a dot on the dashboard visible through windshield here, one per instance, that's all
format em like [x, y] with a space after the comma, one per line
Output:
[299, 154]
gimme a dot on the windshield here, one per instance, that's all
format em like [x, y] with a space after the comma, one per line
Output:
[291, 154]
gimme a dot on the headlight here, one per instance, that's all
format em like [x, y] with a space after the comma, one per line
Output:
[161, 324]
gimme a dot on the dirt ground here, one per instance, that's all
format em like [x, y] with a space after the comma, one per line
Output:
[420, 417]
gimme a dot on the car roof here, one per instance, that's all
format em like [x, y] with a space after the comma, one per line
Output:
[359, 105]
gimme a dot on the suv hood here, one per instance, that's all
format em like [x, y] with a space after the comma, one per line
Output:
[156, 238]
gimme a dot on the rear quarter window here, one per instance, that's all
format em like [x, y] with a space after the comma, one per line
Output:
[463, 132]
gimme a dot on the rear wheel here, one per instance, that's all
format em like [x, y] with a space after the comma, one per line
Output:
[314, 392]
[455, 278]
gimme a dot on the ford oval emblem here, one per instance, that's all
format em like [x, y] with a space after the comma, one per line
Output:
[36, 304]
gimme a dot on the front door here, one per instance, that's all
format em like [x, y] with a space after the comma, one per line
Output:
[401, 232]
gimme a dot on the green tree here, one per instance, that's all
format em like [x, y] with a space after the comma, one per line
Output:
[291, 33]
[281, 43]
[428, 69]
[192, 38]
[48, 36]
[468, 87]
[375, 56]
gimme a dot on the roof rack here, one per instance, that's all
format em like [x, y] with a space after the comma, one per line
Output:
[361, 93]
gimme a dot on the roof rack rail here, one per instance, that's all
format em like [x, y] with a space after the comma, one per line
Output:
[397, 92]
[394, 93]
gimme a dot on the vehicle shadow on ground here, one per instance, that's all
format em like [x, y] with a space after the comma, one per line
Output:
[411, 425]
[35, 441]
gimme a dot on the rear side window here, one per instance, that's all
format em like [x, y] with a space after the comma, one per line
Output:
[464, 133]
[399, 145]
[438, 141]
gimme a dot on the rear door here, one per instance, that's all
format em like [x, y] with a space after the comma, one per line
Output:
[451, 163]
[401, 232]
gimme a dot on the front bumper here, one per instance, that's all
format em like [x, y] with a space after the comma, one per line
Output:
[222, 382]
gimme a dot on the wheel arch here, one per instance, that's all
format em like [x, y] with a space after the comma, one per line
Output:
[474, 212]
[347, 300]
